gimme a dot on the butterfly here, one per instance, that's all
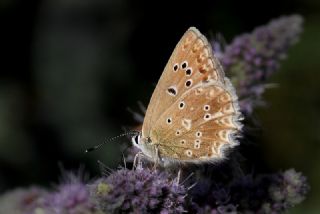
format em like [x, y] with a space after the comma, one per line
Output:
[193, 115]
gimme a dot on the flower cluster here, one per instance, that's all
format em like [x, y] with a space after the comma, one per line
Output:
[139, 191]
[262, 193]
[152, 191]
[123, 191]
[250, 59]
[72, 197]
[270, 193]
[22, 201]
[288, 190]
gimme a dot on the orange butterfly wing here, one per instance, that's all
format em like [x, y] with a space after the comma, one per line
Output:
[192, 80]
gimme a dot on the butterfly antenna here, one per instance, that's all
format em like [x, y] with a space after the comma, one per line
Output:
[111, 139]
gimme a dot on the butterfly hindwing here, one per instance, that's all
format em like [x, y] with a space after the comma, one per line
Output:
[202, 127]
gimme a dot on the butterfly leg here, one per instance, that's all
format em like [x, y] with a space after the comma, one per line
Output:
[157, 159]
[179, 176]
[137, 164]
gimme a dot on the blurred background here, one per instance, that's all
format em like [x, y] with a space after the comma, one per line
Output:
[71, 69]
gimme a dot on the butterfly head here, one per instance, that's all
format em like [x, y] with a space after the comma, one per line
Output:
[144, 144]
[136, 139]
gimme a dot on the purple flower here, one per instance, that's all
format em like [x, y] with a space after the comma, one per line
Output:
[289, 189]
[72, 197]
[24, 201]
[139, 191]
[264, 193]
[252, 58]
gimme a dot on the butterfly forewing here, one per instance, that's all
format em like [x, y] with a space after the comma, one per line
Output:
[193, 113]
[190, 60]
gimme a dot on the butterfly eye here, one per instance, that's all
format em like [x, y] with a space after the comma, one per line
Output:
[197, 144]
[189, 72]
[206, 107]
[189, 153]
[207, 117]
[181, 105]
[136, 139]
[184, 65]
[175, 67]
[198, 134]
[172, 91]
[188, 83]
[169, 120]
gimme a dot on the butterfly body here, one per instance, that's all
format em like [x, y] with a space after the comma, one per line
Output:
[193, 115]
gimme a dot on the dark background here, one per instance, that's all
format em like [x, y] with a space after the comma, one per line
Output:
[70, 69]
